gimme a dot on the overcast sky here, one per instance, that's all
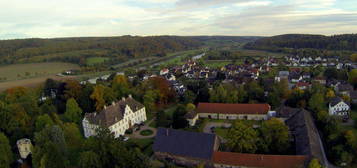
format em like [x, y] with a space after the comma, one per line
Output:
[68, 18]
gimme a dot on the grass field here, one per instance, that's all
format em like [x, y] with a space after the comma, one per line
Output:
[31, 74]
[96, 60]
[216, 63]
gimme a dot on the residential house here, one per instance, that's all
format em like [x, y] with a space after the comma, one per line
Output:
[344, 89]
[25, 147]
[164, 71]
[184, 147]
[303, 85]
[353, 96]
[320, 80]
[282, 75]
[118, 117]
[338, 107]
[295, 77]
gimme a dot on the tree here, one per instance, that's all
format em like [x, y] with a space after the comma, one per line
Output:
[89, 159]
[163, 119]
[50, 149]
[276, 135]
[316, 102]
[5, 151]
[352, 77]
[74, 141]
[189, 97]
[73, 111]
[314, 163]
[120, 86]
[73, 89]
[150, 98]
[43, 121]
[242, 138]
[98, 97]
[330, 94]
[190, 107]
[353, 57]
[179, 120]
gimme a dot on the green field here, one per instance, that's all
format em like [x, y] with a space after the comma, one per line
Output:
[216, 63]
[33, 70]
[96, 60]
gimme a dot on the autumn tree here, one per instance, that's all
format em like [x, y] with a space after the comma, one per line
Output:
[98, 97]
[317, 102]
[314, 163]
[242, 138]
[353, 57]
[73, 89]
[120, 86]
[73, 111]
[352, 77]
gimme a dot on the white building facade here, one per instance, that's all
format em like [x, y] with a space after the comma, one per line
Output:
[25, 147]
[118, 117]
[338, 107]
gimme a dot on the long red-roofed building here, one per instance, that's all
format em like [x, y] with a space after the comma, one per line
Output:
[230, 159]
[229, 111]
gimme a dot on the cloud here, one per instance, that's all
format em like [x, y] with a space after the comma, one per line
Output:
[65, 18]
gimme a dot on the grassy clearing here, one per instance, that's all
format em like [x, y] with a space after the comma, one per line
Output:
[96, 60]
[33, 70]
[222, 132]
[216, 63]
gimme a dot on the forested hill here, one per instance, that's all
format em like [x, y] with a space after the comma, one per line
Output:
[282, 43]
[77, 49]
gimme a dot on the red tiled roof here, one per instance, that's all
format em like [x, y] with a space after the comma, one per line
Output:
[258, 160]
[300, 84]
[233, 108]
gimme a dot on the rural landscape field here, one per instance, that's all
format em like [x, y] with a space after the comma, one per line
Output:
[178, 84]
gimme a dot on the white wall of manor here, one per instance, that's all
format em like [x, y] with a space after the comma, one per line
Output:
[130, 118]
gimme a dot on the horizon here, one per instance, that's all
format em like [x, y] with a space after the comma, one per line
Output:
[95, 18]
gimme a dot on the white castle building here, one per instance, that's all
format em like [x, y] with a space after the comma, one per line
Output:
[118, 117]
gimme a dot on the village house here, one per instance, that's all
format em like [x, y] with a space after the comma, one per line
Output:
[338, 107]
[25, 147]
[118, 117]
[344, 89]
[353, 96]
[230, 112]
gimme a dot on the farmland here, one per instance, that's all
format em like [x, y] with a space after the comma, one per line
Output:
[29, 74]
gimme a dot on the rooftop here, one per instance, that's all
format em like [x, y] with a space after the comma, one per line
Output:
[184, 143]
[259, 160]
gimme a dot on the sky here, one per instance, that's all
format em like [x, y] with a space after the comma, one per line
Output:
[84, 18]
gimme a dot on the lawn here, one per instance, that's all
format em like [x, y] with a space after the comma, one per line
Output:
[217, 63]
[146, 132]
[222, 132]
[96, 60]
